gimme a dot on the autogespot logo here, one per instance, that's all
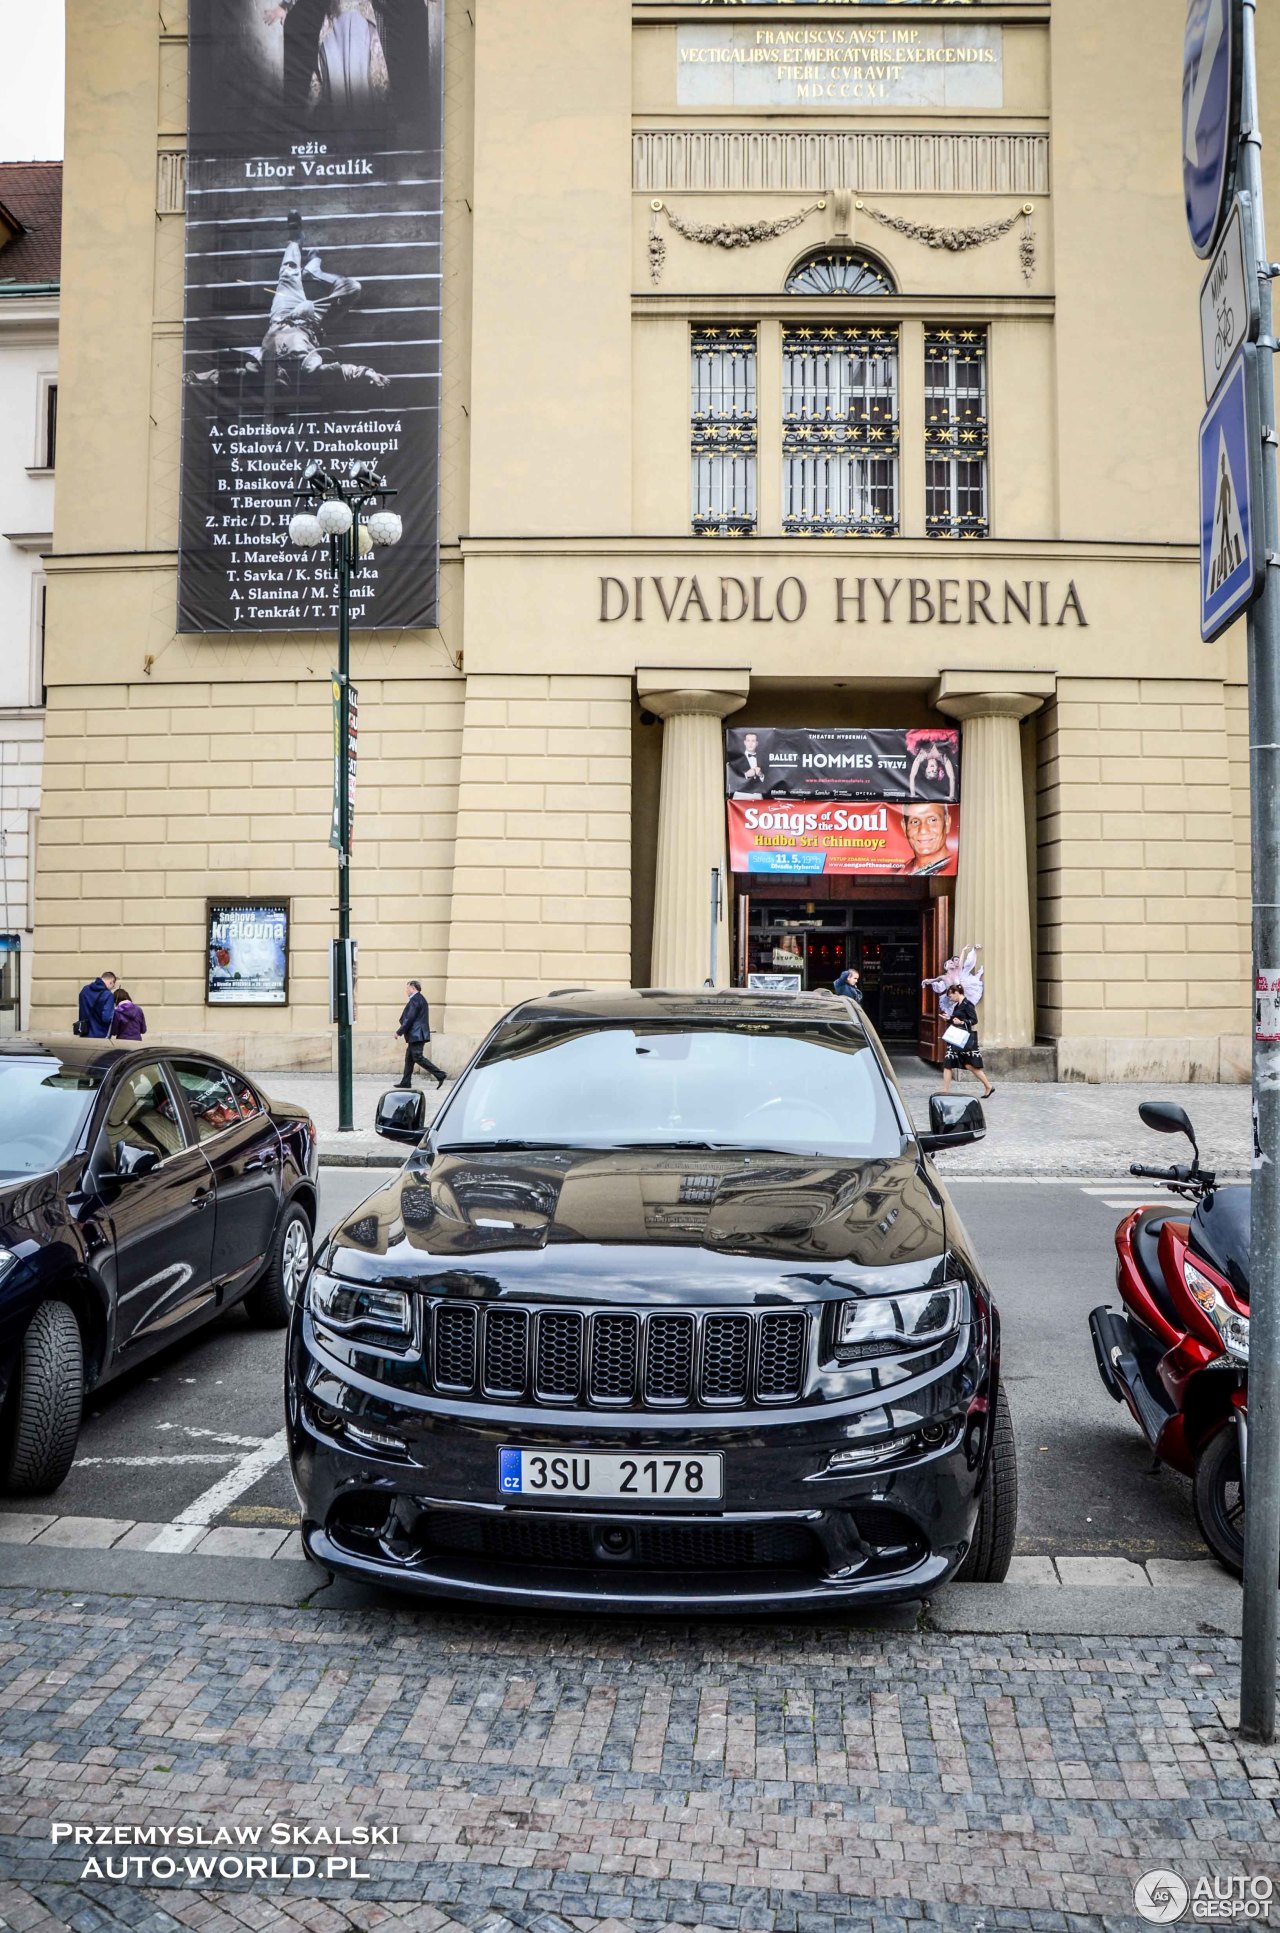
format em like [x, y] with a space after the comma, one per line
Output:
[1221, 1899]
[1161, 1897]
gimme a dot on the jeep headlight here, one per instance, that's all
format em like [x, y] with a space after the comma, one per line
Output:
[351, 1307]
[1233, 1328]
[898, 1325]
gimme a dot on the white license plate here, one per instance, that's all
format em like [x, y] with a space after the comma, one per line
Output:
[571, 1473]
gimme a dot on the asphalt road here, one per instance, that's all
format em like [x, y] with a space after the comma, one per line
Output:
[203, 1417]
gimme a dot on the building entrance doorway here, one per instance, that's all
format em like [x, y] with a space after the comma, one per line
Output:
[893, 942]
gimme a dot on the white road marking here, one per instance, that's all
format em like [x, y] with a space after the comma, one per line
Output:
[154, 1462]
[216, 1436]
[191, 1523]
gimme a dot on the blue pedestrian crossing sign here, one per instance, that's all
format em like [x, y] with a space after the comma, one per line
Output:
[1211, 83]
[1232, 541]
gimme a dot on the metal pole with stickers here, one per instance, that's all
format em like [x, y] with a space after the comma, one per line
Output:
[1239, 572]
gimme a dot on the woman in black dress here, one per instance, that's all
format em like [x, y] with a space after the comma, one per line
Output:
[964, 1014]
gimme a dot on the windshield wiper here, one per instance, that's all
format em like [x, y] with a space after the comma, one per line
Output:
[665, 1147]
[506, 1147]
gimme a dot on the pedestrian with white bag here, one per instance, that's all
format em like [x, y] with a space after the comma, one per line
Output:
[960, 1036]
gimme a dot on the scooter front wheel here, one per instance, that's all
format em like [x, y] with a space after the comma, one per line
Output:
[1218, 1495]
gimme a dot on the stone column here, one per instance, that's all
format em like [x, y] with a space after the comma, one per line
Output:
[992, 895]
[691, 818]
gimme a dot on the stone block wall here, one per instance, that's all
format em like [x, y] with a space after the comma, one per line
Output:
[1143, 951]
[159, 797]
[542, 881]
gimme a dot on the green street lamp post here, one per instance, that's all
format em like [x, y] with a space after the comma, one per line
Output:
[351, 517]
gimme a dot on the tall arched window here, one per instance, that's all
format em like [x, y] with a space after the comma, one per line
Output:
[839, 271]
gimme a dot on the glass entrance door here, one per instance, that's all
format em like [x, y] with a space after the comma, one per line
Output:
[815, 943]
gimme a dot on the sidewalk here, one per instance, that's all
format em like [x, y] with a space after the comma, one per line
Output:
[1038, 1130]
[568, 1775]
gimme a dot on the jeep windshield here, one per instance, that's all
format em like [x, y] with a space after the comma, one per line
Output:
[814, 1089]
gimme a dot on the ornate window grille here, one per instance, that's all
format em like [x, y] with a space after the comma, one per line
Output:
[955, 392]
[840, 430]
[724, 411]
[838, 271]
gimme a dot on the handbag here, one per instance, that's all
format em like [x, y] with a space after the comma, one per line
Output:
[956, 1035]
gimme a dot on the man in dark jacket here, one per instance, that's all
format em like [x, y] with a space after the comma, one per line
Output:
[847, 986]
[98, 1007]
[415, 1031]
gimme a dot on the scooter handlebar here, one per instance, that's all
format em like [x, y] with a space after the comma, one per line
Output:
[1159, 1174]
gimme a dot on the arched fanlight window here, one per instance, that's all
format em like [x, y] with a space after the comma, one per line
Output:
[839, 271]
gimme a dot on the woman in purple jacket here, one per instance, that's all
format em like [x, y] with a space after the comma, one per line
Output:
[130, 1022]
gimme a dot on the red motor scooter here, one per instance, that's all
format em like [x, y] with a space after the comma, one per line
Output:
[1178, 1352]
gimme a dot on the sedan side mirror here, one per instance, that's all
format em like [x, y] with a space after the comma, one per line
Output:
[954, 1122]
[402, 1115]
[134, 1162]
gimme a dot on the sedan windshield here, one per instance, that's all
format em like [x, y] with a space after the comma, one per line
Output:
[814, 1089]
[43, 1107]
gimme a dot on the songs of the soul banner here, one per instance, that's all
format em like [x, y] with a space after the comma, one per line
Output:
[312, 300]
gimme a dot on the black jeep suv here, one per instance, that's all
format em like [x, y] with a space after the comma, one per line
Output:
[669, 1309]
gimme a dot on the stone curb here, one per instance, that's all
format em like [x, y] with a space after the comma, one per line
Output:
[44, 1530]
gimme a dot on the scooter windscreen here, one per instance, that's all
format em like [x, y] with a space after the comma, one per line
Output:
[1220, 1234]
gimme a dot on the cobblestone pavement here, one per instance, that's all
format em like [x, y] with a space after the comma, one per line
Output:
[1043, 1129]
[555, 1778]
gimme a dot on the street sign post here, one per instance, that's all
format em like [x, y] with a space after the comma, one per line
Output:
[1240, 570]
[1211, 69]
[1232, 532]
[1229, 296]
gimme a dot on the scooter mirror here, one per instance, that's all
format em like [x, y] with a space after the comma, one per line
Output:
[1166, 1117]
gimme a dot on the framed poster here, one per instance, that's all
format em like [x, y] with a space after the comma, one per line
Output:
[247, 953]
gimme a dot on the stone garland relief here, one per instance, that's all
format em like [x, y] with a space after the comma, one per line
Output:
[956, 240]
[716, 234]
[747, 234]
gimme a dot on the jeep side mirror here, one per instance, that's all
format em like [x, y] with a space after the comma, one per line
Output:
[954, 1122]
[402, 1115]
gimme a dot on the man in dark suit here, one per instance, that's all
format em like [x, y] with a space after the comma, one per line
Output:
[415, 1031]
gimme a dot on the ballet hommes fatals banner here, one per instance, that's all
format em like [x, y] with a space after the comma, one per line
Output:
[312, 301]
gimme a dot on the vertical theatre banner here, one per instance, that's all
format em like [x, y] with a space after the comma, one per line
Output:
[312, 301]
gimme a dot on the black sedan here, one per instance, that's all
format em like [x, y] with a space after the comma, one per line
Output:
[142, 1192]
[669, 1309]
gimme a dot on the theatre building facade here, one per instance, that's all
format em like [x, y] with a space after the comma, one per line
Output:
[805, 397]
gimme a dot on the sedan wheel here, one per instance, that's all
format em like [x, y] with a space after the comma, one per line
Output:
[45, 1403]
[281, 1282]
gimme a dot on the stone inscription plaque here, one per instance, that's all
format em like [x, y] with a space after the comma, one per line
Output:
[881, 65]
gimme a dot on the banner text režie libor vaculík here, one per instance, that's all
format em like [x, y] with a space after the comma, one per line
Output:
[312, 301]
